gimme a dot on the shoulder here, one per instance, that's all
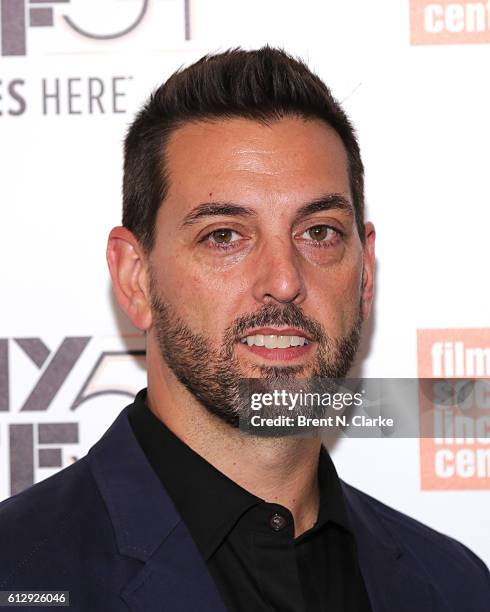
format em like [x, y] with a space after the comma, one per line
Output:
[41, 528]
[443, 558]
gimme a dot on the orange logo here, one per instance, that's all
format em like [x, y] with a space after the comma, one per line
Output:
[446, 22]
[454, 408]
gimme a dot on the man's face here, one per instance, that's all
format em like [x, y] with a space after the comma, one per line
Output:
[257, 266]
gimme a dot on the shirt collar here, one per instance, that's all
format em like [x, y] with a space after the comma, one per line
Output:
[332, 504]
[209, 502]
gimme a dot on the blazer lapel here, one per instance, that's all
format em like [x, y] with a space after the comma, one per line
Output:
[391, 581]
[147, 527]
[175, 579]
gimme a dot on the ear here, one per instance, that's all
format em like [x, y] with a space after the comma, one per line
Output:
[130, 281]
[369, 262]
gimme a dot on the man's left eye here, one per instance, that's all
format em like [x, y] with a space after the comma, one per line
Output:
[320, 233]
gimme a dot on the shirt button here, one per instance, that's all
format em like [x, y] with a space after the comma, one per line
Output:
[277, 522]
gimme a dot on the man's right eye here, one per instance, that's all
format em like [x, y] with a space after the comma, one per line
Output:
[221, 237]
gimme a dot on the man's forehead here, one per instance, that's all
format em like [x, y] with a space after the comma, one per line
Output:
[249, 145]
[245, 161]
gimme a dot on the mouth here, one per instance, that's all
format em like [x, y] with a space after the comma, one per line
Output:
[276, 344]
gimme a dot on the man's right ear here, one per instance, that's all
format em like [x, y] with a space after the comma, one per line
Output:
[129, 272]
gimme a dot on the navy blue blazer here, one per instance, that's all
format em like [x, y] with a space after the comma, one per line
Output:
[106, 530]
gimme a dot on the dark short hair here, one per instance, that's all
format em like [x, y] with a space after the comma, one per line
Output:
[263, 85]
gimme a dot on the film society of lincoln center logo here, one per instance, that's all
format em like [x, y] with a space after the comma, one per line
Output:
[446, 22]
[18, 16]
[456, 454]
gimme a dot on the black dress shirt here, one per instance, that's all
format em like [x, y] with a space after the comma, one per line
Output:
[247, 543]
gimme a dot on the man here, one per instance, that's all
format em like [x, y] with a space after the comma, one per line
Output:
[243, 254]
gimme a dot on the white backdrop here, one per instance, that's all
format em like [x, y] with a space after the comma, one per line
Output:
[413, 77]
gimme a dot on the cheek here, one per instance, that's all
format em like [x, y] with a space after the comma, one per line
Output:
[338, 297]
[351, 300]
[207, 302]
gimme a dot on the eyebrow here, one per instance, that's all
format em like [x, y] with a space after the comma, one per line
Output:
[210, 209]
[331, 201]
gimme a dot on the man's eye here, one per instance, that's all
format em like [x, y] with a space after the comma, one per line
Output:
[320, 233]
[222, 236]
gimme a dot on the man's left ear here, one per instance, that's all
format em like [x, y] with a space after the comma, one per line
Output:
[368, 270]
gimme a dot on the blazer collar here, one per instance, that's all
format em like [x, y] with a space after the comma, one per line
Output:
[141, 512]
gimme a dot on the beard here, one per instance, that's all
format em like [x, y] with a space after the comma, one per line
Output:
[214, 376]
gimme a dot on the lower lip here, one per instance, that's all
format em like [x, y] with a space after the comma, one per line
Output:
[279, 354]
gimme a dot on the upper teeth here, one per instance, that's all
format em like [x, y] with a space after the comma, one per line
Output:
[271, 341]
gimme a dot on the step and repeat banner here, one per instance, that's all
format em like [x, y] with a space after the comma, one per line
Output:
[412, 74]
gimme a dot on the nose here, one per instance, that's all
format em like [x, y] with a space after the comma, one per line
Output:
[278, 276]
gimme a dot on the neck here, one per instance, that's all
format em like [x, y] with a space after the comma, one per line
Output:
[278, 470]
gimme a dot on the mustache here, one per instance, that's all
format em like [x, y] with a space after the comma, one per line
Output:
[272, 315]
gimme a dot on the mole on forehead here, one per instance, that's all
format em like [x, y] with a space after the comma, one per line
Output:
[196, 164]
